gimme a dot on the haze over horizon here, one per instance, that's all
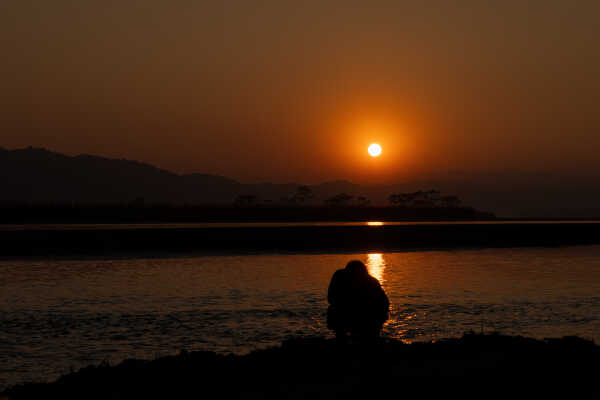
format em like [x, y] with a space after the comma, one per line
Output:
[280, 92]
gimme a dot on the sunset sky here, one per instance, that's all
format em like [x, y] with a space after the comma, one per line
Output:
[296, 91]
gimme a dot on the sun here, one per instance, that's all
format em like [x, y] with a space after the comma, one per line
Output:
[374, 150]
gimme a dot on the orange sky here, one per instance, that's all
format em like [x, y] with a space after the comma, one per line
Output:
[273, 91]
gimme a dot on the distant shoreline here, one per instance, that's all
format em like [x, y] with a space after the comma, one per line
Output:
[164, 213]
[46, 241]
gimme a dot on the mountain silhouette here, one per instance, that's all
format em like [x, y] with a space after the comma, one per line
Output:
[38, 176]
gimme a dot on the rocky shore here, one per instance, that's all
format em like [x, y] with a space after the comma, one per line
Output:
[476, 365]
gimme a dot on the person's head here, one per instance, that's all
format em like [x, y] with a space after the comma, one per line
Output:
[356, 267]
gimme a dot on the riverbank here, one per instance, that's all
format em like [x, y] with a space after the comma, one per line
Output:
[476, 364]
[171, 214]
[99, 240]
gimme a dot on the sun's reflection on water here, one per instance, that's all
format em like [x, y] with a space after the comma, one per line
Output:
[376, 265]
[374, 223]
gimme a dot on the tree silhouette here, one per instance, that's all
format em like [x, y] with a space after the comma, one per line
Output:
[362, 201]
[401, 199]
[450, 201]
[342, 199]
[302, 195]
[431, 198]
[245, 200]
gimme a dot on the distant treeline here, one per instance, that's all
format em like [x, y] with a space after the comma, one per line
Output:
[304, 195]
[140, 212]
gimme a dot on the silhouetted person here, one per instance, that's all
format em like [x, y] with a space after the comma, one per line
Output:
[358, 304]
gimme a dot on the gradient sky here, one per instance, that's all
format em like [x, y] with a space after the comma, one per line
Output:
[295, 91]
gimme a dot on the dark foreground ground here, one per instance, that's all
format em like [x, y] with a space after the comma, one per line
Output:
[482, 366]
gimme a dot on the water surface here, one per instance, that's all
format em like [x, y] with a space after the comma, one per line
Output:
[58, 314]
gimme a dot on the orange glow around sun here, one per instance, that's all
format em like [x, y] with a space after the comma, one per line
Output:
[370, 148]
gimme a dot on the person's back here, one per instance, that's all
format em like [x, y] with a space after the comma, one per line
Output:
[358, 304]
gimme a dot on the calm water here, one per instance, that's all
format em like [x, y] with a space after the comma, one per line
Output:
[57, 314]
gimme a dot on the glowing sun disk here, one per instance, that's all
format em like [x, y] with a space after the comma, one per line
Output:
[374, 150]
